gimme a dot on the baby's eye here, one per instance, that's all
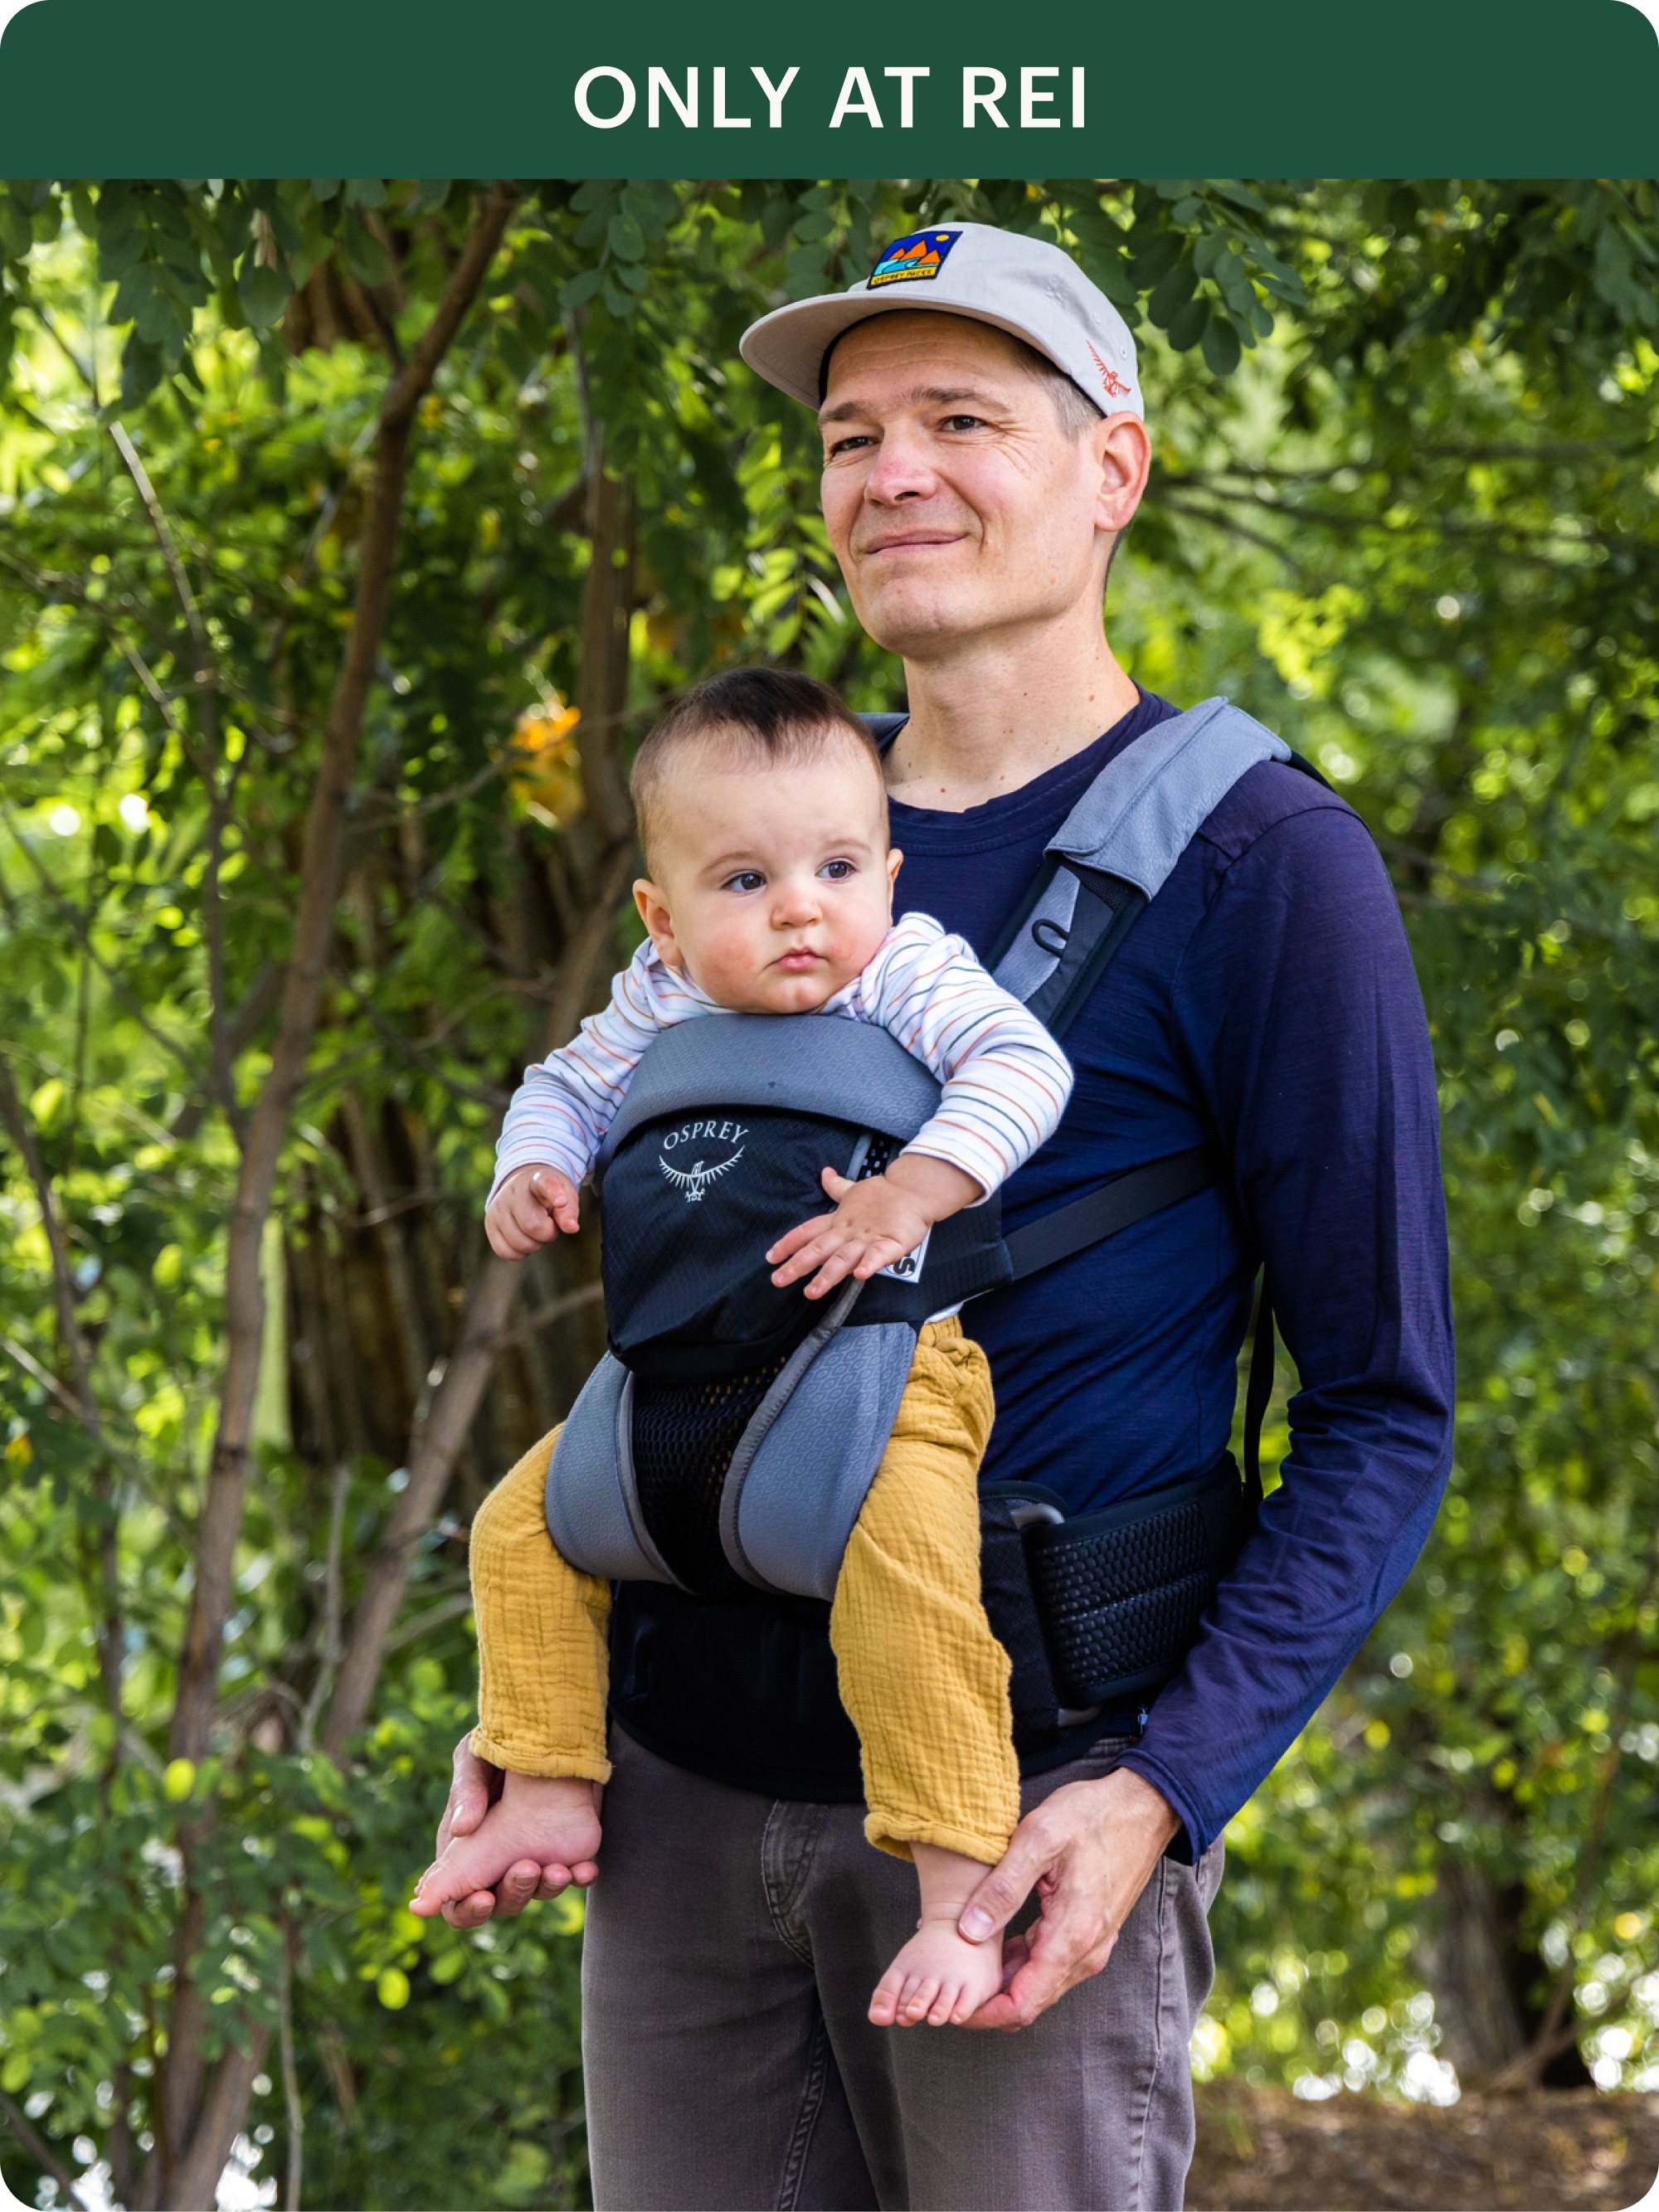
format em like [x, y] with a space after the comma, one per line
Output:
[746, 879]
[838, 872]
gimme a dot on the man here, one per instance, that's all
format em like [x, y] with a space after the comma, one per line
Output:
[984, 451]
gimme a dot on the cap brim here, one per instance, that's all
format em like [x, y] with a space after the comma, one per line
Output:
[787, 346]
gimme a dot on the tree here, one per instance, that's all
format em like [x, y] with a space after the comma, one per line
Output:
[325, 500]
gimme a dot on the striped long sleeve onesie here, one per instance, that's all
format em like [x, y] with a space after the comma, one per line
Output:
[921, 1676]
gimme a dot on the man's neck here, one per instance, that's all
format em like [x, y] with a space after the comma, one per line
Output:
[995, 714]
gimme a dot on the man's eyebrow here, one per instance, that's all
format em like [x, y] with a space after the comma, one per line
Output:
[936, 395]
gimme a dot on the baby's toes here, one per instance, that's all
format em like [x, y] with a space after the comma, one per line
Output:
[918, 1999]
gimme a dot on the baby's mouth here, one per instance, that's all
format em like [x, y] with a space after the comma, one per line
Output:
[798, 962]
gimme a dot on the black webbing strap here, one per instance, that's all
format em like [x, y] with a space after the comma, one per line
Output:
[1115, 1206]
[1257, 1391]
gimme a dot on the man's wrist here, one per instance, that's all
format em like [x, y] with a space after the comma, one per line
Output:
[1137, 1823]
[1142, 1805]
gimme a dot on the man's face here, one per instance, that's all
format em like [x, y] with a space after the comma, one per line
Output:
[957, 503]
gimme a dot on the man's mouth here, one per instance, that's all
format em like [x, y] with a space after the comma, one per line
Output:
[910, 541]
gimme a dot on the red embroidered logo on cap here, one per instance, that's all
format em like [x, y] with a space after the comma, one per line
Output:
[1116, 387]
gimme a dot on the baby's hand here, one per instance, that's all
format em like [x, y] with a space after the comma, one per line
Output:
[529, 1210]
[875, 1221]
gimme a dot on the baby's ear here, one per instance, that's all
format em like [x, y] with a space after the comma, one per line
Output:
[658, 922]
[895, 862]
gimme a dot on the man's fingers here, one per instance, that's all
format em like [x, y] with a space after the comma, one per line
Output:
[469, 1911]
[1005, 1889]
[517, 1888]
[469, 1793]
[1063, 1949]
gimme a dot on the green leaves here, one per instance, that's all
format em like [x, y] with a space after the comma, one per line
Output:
[1412, 535]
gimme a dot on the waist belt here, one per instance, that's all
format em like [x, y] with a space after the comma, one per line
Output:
[1102, 1609]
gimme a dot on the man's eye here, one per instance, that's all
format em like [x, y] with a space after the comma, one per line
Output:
[964, 423]
[838, 872]
[849, 445]
[746, 879]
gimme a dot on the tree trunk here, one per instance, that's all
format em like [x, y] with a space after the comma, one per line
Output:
[205, 2113]
[221, 1519]
[1469, 1963]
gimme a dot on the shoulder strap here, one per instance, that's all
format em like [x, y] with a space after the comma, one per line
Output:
[883, 728]
[1117, 849]
[1103, 867]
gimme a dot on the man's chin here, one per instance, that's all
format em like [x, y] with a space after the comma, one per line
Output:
[910, 614]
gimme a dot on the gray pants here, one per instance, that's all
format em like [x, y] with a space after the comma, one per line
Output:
[732, 1945]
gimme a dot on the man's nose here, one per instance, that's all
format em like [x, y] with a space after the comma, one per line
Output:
[903, 468]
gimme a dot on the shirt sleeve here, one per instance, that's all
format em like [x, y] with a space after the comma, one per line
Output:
[559, 1115]
[1299, 1014]
[1005, 1081]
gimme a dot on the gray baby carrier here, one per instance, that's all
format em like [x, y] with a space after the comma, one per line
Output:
[725, 1442]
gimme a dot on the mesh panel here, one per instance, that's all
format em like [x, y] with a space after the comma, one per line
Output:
[1124, 1601]
[684, 1435]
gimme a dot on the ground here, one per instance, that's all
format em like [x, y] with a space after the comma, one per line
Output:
[1263, 2150]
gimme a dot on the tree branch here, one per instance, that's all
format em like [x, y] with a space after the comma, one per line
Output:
[206, 671]
[40, 2150]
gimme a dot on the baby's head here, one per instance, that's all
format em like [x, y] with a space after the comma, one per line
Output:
[762, 811]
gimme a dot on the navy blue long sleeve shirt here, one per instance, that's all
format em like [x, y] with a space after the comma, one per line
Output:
[1265, 999]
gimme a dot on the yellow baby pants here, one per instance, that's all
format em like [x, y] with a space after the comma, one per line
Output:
[923, 1679]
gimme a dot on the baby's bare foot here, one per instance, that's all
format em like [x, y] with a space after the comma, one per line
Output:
[937, 1978]
[550, 1821]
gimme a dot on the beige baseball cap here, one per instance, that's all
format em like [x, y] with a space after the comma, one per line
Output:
[1032, 291]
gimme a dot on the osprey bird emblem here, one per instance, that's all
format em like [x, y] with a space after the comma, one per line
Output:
[694, 1179]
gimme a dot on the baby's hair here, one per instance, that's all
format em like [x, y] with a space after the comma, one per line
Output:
[775, 713]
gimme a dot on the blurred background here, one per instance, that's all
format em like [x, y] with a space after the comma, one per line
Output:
[351, 533]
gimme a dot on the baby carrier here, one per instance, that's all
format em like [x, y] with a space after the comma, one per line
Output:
[726, 1440]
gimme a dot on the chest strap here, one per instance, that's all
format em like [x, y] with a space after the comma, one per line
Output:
[1112, 1206]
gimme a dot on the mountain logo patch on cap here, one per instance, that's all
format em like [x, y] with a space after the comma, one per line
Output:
[913, 258]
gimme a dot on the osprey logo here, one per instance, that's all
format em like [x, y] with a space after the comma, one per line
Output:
[696, 1179]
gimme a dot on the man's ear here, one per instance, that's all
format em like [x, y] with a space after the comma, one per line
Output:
[1123, 455]
[658, 922]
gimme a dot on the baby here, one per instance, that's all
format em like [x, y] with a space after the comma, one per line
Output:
[763, 819]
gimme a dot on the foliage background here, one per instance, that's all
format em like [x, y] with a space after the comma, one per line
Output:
[1404, 510]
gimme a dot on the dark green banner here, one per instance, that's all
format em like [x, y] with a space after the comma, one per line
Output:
[522, 87]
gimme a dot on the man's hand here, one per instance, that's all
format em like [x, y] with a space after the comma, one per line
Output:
[875, 1221]
[1088, 1852]
[529, 1210]
[476, 1786]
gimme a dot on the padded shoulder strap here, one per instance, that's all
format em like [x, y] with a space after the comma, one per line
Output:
[1116, 849]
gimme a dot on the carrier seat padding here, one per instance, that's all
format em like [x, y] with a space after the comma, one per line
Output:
[795, 1485]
